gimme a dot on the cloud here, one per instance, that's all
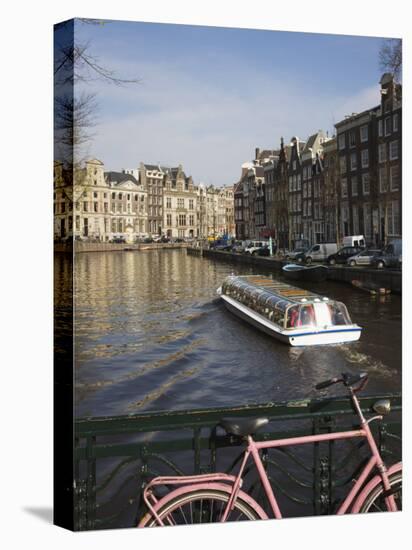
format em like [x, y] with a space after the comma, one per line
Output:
[212, 126]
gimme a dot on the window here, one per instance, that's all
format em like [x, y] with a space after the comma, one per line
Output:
[367, 220]
[113, 196]
[355, 219]
[388, 124]
[365, 158]
[309, 208]
[120, 196]
[180, 203]
[393, 150]
[128, 196]
[344, 187]
[106, 207]
[168, 203]
[394, 177]
[353, 161]
[352, 138]
[395, 122]
[168, 219]
[363, 133]
[383, 180]
[354, 186]
[96, 206]
[95, 195]
[382, 152]
[191, 205]
[365, 184]
[294, 165]
[342, 165]
[191, 219]
[380, 128]
[341, 141]
[85, 207]
[63, 207]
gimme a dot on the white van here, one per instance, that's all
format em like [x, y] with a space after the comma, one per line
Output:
[354, 240]
[320, 252]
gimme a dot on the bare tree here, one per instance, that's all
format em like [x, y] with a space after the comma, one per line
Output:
[76, 112]
[390, 57]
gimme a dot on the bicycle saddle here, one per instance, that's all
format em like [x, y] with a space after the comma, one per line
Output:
[243, 426]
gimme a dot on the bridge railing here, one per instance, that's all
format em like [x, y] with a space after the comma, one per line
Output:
[116, 456]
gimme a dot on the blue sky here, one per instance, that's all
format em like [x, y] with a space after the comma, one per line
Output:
[208, 96]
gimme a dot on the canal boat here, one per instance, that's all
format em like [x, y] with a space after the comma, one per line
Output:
[293, 315]
[311, 273]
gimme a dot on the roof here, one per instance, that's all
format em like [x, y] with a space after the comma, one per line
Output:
[120, 177]
[153, 167]
[285, 291]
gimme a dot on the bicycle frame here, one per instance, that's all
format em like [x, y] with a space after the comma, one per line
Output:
[354, 499]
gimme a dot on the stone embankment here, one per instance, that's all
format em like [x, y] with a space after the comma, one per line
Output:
[113, 247]
[390, 279]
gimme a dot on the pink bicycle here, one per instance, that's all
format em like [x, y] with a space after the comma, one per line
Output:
[218, 497]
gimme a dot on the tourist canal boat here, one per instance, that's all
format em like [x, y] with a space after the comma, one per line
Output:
[295, 316]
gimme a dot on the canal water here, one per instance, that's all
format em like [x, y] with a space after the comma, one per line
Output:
[152, 335]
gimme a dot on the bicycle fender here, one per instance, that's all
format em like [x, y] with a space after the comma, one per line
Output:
[210, 485]
[374, 482]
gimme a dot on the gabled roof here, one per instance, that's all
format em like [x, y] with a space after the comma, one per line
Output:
[152, 167]
[120, 177]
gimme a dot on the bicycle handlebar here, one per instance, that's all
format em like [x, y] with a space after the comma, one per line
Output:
[347, 378]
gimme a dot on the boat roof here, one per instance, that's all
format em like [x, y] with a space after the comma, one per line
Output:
[279, 289]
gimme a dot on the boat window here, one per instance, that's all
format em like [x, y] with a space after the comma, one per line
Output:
[306, 316]
[292, 318]
[339, 314]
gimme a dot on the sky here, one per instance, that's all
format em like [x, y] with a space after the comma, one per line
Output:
[207, 96]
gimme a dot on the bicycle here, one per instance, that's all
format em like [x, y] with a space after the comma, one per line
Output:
[219, 496]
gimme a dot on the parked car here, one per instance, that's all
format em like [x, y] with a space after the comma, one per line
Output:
[342, 255]
[390, 256]
[238, 246]
[255, 245]
[263, 251]
[364, 257]
[297, 254]
[319, 252]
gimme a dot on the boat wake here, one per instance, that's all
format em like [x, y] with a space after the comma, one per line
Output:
[366, 362]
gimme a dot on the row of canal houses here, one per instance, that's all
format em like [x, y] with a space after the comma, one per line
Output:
[325, 188]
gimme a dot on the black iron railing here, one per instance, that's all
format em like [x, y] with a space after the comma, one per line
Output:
[116, 456]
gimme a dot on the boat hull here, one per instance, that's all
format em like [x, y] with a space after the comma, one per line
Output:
[314, 274]
[294, 337]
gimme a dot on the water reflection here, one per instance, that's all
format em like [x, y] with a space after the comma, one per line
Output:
[151, 335]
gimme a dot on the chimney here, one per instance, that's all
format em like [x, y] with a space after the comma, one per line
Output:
[257, 151]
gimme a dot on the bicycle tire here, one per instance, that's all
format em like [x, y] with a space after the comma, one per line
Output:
[210, 506]
[374, 502]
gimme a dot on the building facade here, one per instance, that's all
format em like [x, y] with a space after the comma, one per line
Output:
[152, 177]
[180, 208]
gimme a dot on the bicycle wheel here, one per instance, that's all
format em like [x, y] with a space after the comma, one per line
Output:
[203, 506]
[375, 501]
